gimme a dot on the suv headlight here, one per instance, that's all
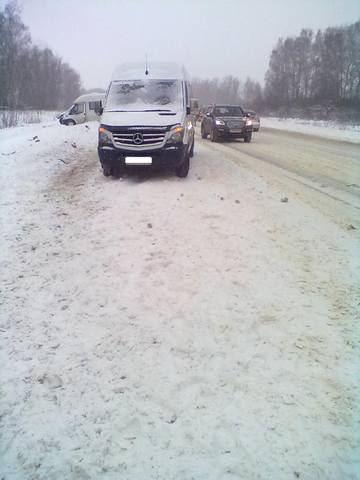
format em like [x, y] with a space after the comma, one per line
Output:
[176, 134]
[219, 122]
[248, 122]
[104, 136]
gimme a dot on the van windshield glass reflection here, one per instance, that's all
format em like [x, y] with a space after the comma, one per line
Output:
[144, 95]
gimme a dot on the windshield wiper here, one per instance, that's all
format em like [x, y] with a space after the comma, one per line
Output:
[157, 110]
[160, 111]
[154, 110]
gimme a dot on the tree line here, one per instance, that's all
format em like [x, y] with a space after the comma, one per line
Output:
[316, 68]
[228, 90]
[31, 77]
[303, 70]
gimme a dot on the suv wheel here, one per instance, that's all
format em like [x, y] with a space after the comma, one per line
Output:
[70, 123]
[247, 138]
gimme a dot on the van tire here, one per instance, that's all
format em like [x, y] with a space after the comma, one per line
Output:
[107, 172]
[213, 135]
[70, 123]
[191, 153]
[183, 170]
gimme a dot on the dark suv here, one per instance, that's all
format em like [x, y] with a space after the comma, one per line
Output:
[226, 121]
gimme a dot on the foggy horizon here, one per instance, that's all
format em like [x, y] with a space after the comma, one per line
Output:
[209, 39]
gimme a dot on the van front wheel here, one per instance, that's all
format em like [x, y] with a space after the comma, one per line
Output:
[192, 149]
[213, 135]
[106, 171]
[183, 170]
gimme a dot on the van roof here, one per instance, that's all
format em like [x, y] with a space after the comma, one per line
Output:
[90, 97]
[156, 70]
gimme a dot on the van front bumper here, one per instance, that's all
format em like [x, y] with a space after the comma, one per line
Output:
[170, 156]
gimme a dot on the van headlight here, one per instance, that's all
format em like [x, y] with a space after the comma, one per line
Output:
[176, 134]
[104, 136]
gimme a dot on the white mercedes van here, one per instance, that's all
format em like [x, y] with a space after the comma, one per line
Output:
[84, 109]
[146, 119]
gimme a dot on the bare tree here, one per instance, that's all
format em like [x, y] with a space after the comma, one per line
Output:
[326, 68]
[252, 95]
[30, 76]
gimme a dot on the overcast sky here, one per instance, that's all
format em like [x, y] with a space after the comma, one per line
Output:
[212, 38]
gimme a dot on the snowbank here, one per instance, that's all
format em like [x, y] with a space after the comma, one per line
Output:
[320, 128]
[166, 329]
[18, 118]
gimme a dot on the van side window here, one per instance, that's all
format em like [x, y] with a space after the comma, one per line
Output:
[77, 108]
[94, 105]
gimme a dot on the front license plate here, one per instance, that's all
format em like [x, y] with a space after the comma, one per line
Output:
[138, 160]
[235, 130]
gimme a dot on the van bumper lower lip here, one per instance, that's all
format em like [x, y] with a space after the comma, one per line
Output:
[169, 156]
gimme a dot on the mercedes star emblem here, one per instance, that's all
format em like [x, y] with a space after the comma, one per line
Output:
[138, 138]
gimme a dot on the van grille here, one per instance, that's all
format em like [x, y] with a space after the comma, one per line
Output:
[138, 138]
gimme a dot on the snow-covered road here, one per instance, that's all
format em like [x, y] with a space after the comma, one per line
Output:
[161, 328]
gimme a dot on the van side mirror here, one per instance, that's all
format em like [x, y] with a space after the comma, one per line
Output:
[188, 110]
[99, 108]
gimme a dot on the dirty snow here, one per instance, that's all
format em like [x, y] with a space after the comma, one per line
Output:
[160, 328]
[320, 128]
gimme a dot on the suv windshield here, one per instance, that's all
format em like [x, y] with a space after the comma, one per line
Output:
[231, 111]
[143, 95]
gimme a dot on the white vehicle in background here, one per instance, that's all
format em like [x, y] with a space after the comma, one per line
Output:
[83, 109]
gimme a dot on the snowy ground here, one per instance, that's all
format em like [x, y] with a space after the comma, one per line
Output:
[331, 130]
[19, 118]
[160, 328]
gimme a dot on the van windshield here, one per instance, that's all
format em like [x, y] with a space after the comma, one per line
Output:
[144, 95]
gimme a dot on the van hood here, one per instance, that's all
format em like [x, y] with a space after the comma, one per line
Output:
[130, 119]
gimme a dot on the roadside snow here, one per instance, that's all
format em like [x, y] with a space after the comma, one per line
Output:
[318, 128]
[19, 118]
[159, 328]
